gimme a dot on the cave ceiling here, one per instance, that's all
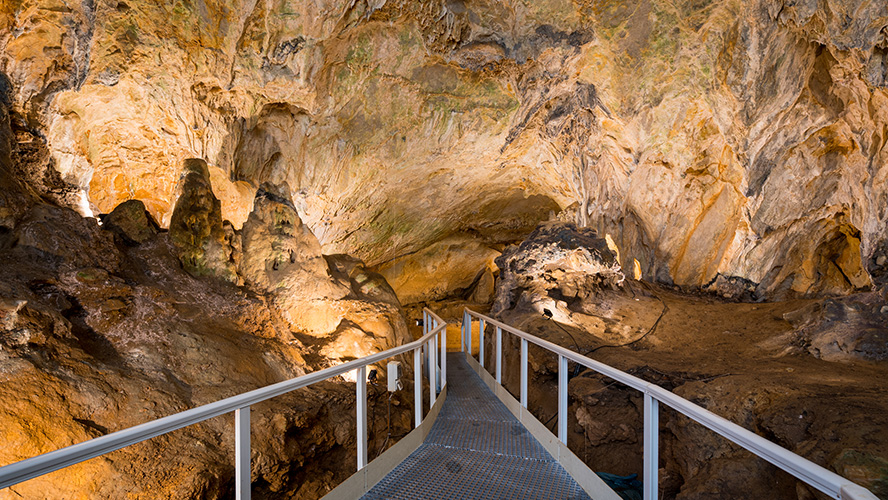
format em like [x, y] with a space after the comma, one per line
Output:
[711, 139]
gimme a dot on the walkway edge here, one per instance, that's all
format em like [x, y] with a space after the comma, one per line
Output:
[365, 479]
[578, 470]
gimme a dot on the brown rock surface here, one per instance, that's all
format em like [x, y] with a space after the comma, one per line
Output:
[196, 226]
[803, 374]
[131, 222]
[97, 336]
[443, 269]
[741, 139]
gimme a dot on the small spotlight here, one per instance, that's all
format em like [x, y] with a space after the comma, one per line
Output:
[547, 313]
[372, 377]
[419, 322]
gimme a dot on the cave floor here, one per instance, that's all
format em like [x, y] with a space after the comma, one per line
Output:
[476, 449]
[744, 361]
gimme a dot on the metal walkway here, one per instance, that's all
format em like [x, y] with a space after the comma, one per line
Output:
[476, 450]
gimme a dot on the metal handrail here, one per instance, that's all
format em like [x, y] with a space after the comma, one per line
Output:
[434, 329]
[820, 478]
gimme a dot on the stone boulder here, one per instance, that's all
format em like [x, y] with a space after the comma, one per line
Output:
[131, 223]
[196, 228]
[60, 239]
[351, 311]
[556, 256]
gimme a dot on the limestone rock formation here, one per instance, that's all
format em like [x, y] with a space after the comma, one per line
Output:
[332, 298]
[844, 329]
[717, 138]
[734, 146]
[556, 256]
[101, 329]
[130, 222]
[367, 284]
[281, 255]
[811, 386]
[443, 269]
[196, 226]
[89, 345]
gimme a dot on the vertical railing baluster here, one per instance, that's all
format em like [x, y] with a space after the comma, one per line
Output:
[433, 365]
[651, 447]
[462, 334]
[417, 386]
[499, 355]
[361, 401]
[470, 333]
[242, 453]
[524, 372]
[467, 332]
[443, 355]
[562, 399]
[481, 337]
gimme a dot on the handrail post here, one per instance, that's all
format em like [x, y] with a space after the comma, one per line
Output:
[651, 447]
[242, 453]
[433, 372]
[481, 342]
[443, 355]
[499, 355]
[417, 386]
[361, 402]
[562, 399]
[524, 372]
[465, 323]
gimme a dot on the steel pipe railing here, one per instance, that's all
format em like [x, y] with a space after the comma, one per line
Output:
[30, 468]
[820, 478]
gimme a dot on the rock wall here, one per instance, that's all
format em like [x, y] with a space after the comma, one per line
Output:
[775, 368]
[712, 140]
[106, 326]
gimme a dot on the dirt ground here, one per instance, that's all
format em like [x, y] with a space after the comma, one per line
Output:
[744, 361]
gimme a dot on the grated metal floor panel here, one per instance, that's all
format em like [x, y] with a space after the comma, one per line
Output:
[477, 450]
